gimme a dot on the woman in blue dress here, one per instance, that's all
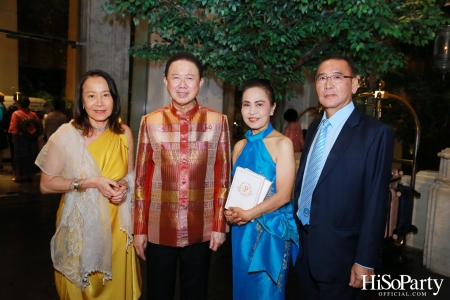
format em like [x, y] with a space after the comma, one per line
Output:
[264, 238]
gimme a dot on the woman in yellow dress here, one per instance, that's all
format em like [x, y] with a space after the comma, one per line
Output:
[91, 161]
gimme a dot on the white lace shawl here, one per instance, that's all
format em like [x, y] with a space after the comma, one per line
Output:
[82, 241]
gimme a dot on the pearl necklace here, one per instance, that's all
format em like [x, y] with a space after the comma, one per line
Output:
[100, 128]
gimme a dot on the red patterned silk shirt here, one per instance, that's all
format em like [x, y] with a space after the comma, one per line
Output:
[182, 175]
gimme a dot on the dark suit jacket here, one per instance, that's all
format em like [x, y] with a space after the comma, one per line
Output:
[349, 204]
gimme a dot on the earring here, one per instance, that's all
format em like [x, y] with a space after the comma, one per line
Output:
[83, 105]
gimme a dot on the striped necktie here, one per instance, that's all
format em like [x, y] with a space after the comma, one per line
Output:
[312, 174]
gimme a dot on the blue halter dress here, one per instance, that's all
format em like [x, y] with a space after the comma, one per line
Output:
[262, 249]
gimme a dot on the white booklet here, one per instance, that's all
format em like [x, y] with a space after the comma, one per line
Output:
[248, 189]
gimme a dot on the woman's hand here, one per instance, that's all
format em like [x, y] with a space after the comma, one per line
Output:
[107, 187]
[121, 191]
[239, 216]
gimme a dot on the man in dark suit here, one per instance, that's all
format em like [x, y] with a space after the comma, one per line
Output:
[341, 191]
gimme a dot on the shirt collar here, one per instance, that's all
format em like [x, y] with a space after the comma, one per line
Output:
[341, 115]
[190, 112]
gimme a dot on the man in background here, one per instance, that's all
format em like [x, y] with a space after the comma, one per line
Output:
[3, 128]
[55, 118]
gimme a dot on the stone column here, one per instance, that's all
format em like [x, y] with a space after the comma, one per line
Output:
[424, 180]
[437, 242]
[105, 42]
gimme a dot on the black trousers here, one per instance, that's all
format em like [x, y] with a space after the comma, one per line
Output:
[194, 261]
[11, 146]
[311, 289]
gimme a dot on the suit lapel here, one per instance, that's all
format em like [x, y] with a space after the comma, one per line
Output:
[341, 143]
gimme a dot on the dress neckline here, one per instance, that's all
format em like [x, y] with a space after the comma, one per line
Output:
[260, 135]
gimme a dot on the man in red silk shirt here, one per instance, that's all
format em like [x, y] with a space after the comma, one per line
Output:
[182, 181]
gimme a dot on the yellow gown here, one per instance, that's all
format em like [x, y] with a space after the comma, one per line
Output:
[110, 151]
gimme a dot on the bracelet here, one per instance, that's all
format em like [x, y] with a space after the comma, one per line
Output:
[260, 211]
[79, 186]
[75, 184]
[128, 183]
[70, 184]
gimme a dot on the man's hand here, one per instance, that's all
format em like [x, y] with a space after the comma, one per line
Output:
[356, 276]
[140, 243]
[217, 239]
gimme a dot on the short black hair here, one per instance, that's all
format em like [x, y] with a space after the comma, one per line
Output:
[184, 56]
[339, 57]
[290, 115]
[263, 84]
[59, 103]
[24, 101]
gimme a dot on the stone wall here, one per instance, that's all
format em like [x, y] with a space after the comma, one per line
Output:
[105, 41]
[437, 242]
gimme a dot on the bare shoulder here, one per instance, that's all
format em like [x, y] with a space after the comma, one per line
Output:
[279, 145]
[279, 139]
[125, 128]
[238, 149]
[127, 131]
[239, 145]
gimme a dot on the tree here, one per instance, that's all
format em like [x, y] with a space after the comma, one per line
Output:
[271, 39]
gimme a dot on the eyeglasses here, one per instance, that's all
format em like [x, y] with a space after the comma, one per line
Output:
[336, 78]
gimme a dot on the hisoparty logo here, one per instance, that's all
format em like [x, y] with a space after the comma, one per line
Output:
[405, 286]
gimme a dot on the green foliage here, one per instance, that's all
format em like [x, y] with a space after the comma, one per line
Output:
[271, 39]
[49, 99]
[69, 104]
[46, 96]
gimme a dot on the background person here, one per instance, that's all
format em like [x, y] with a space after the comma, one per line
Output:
[47, 109]
[90, 160]
[342, 189]
[262, 249]
[55, 118]
[3, 128]
[293, 129]
[25, 140]
[182, 181]
[9, 114]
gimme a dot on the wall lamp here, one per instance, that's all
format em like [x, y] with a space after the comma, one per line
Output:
[17, 35]
[441, 54]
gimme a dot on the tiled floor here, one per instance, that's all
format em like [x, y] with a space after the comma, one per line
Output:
[27, 221]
